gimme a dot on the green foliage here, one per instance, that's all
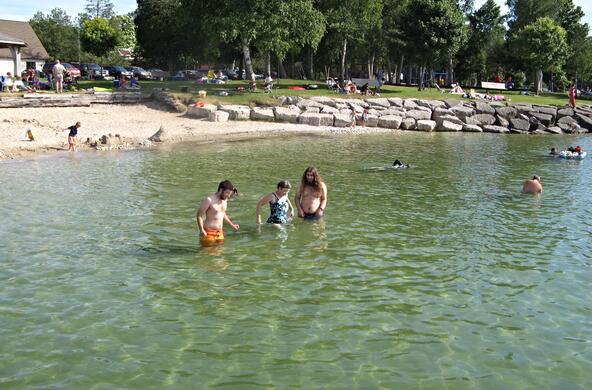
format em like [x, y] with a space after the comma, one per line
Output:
[98, 37]
[544, 44]
[126, 30]
[57, 34]
[99, 8]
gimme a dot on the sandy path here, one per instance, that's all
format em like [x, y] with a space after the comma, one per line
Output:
[134, 123]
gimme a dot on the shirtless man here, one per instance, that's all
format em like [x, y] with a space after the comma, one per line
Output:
[214, 207]
[311, 195]
[533, 186]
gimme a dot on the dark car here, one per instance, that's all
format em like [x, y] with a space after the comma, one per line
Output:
[93, 70]
[118, 71]
[187, 75]
[71, 71]
[139, 73]
[157, 74]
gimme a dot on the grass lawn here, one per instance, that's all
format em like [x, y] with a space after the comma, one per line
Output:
[187, 91]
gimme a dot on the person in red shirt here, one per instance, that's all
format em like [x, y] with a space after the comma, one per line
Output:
[572, 96]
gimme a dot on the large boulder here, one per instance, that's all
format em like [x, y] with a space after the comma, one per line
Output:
[519, 124]
[431, 104]
[483, 119]
[567, 119]
[501, 121]
[495, 129]
[408, 124]
[160, 136]
[316, 119]
[554, 130]
[440, 112]
[390, 121]
[419, 114]
[200, 112]
[381, 102]
[547, 110]
[506, 112]
[236, 112]
[305, 103]
[282, 114]
[543, 118]
[584, 121]
[484, 108]
[329, 110]
[323, 100]
[463, 112]
[313, 109]
[453, 102]
[342, 120]
[426, 125]
[447, 125]
[218, 116]
[392, 111]
[409, 104]
[565, 112]
[394, 101]
[449, 118]
[371, 122]
[472, 129]
[262, 114]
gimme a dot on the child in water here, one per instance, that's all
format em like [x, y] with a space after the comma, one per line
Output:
[281, 208]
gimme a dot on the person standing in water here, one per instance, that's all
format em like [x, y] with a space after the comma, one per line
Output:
[311, 195]
[533, 186]
[279, 203]
[72, 136]
[214, 208]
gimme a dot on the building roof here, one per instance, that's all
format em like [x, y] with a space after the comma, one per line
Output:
[23, 33]
[7, 40]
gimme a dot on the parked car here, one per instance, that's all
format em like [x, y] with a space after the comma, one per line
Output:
[157, 74]
[71, 71]
[139, 73]
[93, 70]
[118, 71]
[187, 75]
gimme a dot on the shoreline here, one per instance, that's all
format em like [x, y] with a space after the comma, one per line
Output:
[134, 124]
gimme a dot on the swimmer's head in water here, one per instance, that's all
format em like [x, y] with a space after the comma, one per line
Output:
[537, 178]
[397, 163]
[284, 184]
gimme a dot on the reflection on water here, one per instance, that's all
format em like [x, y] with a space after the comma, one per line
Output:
[439, 276]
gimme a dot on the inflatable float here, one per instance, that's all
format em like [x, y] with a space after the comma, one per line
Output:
[572, 155]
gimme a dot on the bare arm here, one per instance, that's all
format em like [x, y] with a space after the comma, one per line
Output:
[321, 209]
[202, 209]
[297, 199]
[229, 222]
[262, 201]
[291, 209]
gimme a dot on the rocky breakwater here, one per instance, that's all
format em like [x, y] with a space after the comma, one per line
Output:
[451, 115]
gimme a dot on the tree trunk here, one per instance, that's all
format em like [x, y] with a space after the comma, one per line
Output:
[389, 71]
[247, 57]
[410, 74]
[343, 59]
[371, 66]
[268, 63]
[241, 67]
[420, 77]
[398, 76]
[292, 66]
[281, 70]
[451, 71]
[309, 63]
[539, 81]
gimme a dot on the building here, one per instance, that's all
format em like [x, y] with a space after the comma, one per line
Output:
[20, 48]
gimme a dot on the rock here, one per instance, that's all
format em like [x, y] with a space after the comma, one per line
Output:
[472, 129]
[463, 112]
[409, 104]
[567, 120]
[431, 104]
[342, 120]
[449, 118]
[305, 103]
[495, 129]
[200, 112]
[219, 116]
[329, 110]
[501, 121]
[262, 114]
[390, 121]
[408, 124]
[286, 115]
[547, 110]
[372, 121]
[392, 111]
[447, 125]
[584, 121]
[539, 132]
[440, 112]
[453, 102]
[323, 100]
[381, 102]
[316, 119]
[506, 112]
[106, 140]
[565, 112]
[565, 127]
[236, 112]
[397, 102]
[418, 114]
[484, 108]
[313, 110]
[516, 131]
[426, 125]
[519, 124]
[288, 100]
[545, 119]
[483, 119]
[555, 130]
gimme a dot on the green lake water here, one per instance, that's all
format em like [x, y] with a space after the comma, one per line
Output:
[442, 276]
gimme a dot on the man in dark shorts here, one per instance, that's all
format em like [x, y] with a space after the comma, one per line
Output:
[72, 137]
[311, 195]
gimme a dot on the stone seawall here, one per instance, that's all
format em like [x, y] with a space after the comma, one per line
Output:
[450, 115]
[73, 100]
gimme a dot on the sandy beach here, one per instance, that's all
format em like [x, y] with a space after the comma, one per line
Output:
[134, 123]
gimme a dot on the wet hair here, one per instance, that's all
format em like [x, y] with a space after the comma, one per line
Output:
[397, 162]
[226, 185]
[535, 177]
[317, 182]
[284, 184]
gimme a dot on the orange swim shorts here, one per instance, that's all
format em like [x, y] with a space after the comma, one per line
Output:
[214, 237]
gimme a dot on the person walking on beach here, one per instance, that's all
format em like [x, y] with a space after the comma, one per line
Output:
[365, 116]
[352, 117]
[572, 96]
[311, 195]
[214, 208]
[533, 186]
[72, 136]
[58, 76]
[279, 203]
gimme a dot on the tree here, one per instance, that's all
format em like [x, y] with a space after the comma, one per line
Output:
[99, 8]
[544, 47]
[57, 33]
[125, 27]
[98, 37]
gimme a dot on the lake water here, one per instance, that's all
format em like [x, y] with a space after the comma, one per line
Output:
[442, 276]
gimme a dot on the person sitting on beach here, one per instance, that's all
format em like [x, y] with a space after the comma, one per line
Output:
[398, 164]
[311, 195]
[457, 90]
[533, 186]
[72, 136]
[364, 89]
[214, 208]
[279, 203]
